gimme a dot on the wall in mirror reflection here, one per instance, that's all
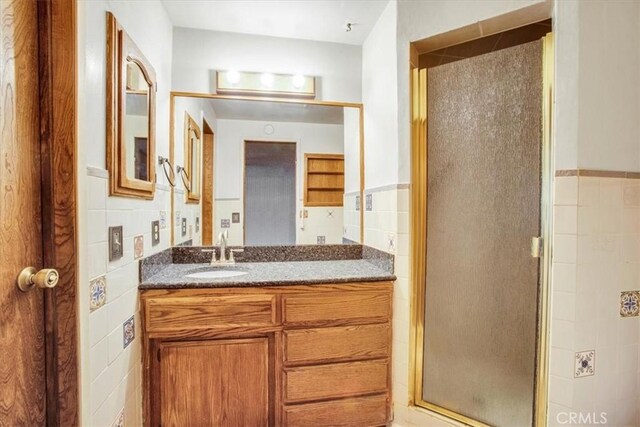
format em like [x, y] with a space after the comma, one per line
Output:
[259, 172]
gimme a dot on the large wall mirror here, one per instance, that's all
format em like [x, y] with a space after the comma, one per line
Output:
[269, 172]
[131, 92]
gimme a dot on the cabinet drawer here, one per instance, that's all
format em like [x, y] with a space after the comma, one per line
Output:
[336, 380]
[332, 308]
[337, 343]
[209, 312]
[358, 412]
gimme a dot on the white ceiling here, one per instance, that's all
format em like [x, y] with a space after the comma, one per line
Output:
[276, 111]
[321, 20]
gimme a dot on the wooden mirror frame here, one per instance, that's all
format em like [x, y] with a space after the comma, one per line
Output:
[191, 196]
[120, 51]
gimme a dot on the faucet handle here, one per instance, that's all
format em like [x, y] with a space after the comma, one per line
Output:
[232, 251]
[212, 251]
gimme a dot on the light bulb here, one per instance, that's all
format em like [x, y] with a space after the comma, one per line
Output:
[298, 81]
[233, 77]
[267, 79]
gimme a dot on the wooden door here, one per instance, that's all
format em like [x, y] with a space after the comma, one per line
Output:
[215, 383]
[22, 335]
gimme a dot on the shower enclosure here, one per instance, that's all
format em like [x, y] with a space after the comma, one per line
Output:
[480, 192]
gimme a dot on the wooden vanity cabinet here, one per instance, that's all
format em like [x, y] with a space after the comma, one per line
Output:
[298, 356]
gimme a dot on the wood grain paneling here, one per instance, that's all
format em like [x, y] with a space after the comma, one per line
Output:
[22, 351]
[214, 312]
[359, 412]
[347, 363]
[215, 383]
[208, 187]
[338, 343]
[322, 308]
[309, 383]
[57, 57]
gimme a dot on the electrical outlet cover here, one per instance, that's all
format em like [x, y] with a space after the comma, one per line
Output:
[155, 233]
[184, 227]
[138, 247]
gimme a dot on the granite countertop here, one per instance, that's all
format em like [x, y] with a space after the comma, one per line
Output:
[173, 276]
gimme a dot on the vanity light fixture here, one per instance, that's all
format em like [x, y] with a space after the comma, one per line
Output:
[267, 80]
[298, 81]
[233, 77]
[232, 82]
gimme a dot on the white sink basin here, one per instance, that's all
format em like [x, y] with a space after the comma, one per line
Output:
[216, 274]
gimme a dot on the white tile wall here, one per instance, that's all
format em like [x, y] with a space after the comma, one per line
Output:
[351, 218]
[595, 257]
[114, 371]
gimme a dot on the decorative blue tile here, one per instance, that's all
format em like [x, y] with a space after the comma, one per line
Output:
[369, 202]
[97, 292]
[585, 365]
[630, 303]
[128, 331]
[225, 223]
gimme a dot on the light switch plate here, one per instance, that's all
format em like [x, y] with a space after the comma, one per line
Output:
[235, 217]
[155, 232]
[184, 227]
[116, 243]
[369, 202]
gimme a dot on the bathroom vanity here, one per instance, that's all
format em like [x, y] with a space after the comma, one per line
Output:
[293, 336]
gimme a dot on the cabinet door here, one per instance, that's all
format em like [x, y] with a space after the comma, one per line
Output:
[215, 383]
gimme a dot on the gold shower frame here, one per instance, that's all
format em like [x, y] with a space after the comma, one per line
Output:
[418, 211]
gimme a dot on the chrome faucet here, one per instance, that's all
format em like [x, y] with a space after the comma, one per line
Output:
[222, 237]
[223, 241]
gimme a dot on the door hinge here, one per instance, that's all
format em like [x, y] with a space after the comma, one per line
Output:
[537, 247]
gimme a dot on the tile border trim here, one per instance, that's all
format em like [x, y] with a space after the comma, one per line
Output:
[598, 173]
[403, 186]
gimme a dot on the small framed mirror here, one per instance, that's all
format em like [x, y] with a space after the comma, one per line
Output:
[131, 99]
[192, 158]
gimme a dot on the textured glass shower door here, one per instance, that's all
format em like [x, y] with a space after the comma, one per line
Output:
[484, 133]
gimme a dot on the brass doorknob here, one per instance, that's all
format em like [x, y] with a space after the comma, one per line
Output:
[30, 278]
